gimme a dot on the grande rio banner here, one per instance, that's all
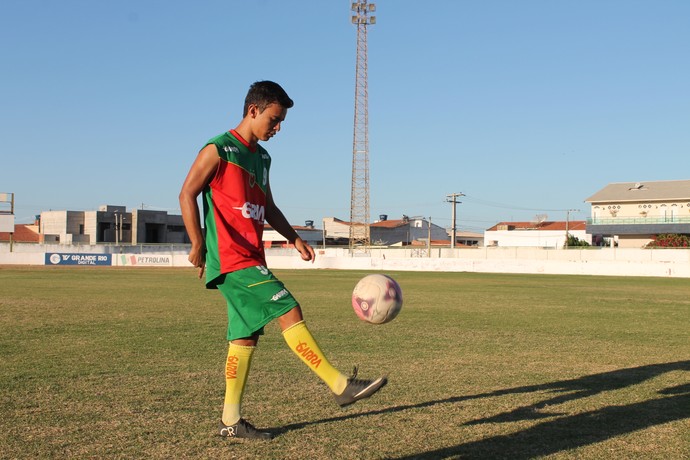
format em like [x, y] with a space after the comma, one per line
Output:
[57, 258]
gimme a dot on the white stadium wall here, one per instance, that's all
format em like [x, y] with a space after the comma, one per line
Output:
[604, 261]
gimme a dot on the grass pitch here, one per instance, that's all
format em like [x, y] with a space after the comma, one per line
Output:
[128, 363]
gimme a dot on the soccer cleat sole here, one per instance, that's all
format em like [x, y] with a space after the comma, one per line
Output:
[366, 392]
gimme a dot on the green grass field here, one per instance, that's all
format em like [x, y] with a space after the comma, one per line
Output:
[128, 363]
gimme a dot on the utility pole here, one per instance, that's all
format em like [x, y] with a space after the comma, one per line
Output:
[452, 198]
[12, 231]
[567, 222]
[360, 237]
[429, 239]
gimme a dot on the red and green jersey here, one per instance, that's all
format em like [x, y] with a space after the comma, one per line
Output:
[234, 204]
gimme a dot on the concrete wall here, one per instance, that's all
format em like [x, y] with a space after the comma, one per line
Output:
[605, 262]
[90, 226]
[335, 228]
[64, 225]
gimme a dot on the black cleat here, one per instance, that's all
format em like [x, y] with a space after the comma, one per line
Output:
[244, 430]
[359, 389]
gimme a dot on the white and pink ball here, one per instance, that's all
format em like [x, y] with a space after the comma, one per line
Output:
[377, 299]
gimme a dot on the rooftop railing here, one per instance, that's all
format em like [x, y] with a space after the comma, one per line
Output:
[639, 220]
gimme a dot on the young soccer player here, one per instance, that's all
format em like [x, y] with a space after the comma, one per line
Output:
[232, 173]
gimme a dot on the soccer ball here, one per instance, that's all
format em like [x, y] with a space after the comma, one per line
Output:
[377, 299]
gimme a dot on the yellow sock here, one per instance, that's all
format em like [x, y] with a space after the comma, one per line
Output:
[301, 342]
[236, 369]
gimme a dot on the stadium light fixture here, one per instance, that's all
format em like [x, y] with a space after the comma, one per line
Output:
[362, 9]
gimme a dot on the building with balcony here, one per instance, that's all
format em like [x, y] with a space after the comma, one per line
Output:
[633, 213]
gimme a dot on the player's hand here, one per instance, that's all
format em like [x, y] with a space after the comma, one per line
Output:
[197, 257]
[305, 250]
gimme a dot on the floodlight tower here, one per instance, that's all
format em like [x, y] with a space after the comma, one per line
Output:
[359, 199]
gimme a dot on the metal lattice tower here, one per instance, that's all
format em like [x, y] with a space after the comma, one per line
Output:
[359, 200]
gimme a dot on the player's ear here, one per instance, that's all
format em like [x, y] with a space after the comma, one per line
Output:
[252, 110]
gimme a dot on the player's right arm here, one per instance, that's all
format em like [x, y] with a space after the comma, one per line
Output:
[200, 174]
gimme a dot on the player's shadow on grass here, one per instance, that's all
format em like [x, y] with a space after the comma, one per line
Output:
[567, 431]
[583, 387]
[573, 431]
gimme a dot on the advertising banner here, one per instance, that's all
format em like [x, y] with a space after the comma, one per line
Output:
[55, 258]
[149, 260]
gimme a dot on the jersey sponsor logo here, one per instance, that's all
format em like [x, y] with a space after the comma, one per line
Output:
[231, 148]
[252, 178]
[252, 211]
[231, 367]
[307, 354]
[263, 270]
[280, 294]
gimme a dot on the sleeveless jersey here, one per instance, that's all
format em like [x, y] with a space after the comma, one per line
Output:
[234, 204]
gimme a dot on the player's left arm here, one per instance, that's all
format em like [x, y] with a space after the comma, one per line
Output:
[276, 219]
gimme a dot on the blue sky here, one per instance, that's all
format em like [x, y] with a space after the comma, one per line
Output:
[527, 107]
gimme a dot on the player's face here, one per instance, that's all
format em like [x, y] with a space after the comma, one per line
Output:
[267, 123]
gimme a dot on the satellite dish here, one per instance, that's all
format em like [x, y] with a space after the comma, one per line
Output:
[539, 219]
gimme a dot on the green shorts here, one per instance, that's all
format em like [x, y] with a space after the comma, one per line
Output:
[255, 297]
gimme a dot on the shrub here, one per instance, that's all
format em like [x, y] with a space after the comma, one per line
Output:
[669, 240]
[574, 241]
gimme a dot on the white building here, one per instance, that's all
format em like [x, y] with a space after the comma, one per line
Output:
[386, 232]
[313, 236]
[535, 234]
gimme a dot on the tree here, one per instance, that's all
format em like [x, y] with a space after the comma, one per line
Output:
[574, 241]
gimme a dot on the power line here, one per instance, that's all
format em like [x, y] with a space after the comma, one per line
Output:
[509, 206]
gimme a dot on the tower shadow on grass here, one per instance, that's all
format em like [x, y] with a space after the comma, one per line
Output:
[567, 431]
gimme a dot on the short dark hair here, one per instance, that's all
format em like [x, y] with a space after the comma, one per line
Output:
[264, 93]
